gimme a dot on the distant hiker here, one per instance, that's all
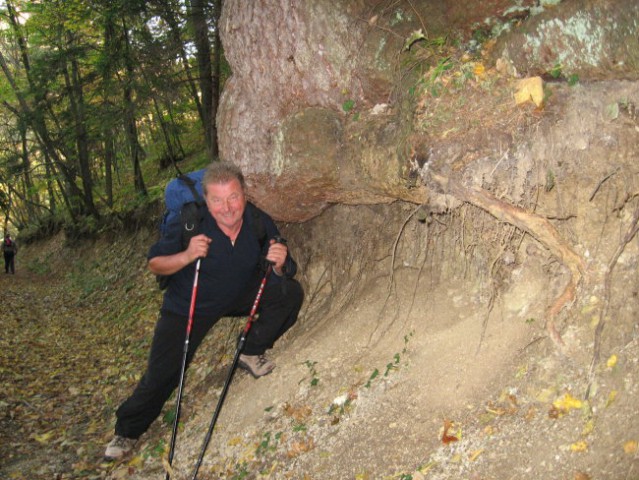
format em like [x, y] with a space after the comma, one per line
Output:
[10, 250]
[230, 275]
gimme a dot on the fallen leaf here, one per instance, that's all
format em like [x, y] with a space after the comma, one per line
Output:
[136, 461]
[297, 448]
[479, 70]
[474, 455]
[630, 447]
[530, 88]
[612, 361]
[446, 438]
[580, 446]
[566, 403]
[45, 437]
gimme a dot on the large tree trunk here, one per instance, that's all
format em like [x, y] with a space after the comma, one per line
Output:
[282, 115]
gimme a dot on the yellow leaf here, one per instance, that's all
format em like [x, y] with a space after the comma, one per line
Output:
[479, 70]
[567, 402]
[530, 88]
[580, 446]
[630, 447]
[136, 461]
[612, 361]
[45, 437]
[611, 398]
[475, 454]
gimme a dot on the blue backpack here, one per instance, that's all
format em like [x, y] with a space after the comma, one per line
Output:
[184, 199]
[183, 196]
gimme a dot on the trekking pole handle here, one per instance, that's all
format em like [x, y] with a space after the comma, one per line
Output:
[279, 239]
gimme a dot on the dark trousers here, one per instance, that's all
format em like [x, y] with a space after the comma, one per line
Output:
[9, 262]
[278, 310]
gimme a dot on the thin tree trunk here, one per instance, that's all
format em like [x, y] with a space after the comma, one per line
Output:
[76, 99]
[198, 20]
[129, 109]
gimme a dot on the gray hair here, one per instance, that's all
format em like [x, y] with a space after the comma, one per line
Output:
[222, 172]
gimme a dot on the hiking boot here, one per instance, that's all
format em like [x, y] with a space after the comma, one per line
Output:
[256, 365]
[118, 448]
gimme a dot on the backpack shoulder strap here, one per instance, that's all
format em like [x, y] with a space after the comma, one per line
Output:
[189, 182]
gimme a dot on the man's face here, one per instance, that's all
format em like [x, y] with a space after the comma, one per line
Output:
[226, 202]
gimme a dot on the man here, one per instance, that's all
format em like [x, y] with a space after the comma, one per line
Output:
[9, 249]
[229, 279]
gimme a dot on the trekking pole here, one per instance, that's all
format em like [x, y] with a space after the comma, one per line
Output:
[227, 383]
[189, 325]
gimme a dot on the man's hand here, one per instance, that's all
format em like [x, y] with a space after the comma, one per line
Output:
[169, 264]
[277, 253]
[198, 247]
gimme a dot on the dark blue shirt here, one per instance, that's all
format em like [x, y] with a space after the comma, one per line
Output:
[225, 272]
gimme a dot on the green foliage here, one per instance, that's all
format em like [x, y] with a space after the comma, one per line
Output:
[371, 378]
[348, 105]
[550, 180]
[314, 381]
[555, 72]
[154, 450]
[573, 79]
[241, 471]
[268, 444]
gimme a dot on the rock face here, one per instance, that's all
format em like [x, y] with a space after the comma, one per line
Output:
[593, 39]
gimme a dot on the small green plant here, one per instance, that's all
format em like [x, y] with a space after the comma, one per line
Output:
[340, 407]
[556, 71]
[154, 450]
[299, 427]
[550, 180]
[269, 444]
[241, 471]
[573, 79]
[407, 337]
[392, 365]
[313, 372]
[371, 378]
[169, 417]
[348, 105]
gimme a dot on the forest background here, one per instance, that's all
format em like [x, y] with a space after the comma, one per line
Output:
[98, 100]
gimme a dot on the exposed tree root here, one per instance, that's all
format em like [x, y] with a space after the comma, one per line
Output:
[539, 228]
[632, 230]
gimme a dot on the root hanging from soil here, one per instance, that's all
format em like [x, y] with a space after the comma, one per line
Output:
[631, 232]
[539, 228]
